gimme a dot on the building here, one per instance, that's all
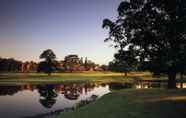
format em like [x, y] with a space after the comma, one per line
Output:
[29, 67]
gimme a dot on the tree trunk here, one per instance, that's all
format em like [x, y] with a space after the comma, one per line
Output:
[125, 74]
[49, 74]
[181, 80]
[172, 80]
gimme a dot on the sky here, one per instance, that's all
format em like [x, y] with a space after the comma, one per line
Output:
[28, 27]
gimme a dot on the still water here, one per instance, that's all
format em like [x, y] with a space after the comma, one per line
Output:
[17, 101]
[25, 100]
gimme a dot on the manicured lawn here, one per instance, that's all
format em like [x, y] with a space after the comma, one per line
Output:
[76, 77]
[81, 74]
[149, 103]
[61, 77]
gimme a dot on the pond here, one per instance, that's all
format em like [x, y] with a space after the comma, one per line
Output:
[19, 101]
[26, 100]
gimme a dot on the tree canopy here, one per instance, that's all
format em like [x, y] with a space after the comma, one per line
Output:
[48, 55]
[47, 66]
[156, 29]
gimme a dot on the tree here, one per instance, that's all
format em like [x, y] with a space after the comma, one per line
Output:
[116, 66]
[47, 66]
[89, 65]
[156, 29]
[72, 63]
[10, 65]
[124, 61]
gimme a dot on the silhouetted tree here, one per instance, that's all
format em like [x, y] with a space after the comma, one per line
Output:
[157, 31]
[47, 66]
[104, 67]
[125, 60]
[116, 66]
[10, 65]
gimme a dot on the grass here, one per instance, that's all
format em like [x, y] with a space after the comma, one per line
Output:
[81, 74]
[149, 103]
[65, 77]
[104, 77]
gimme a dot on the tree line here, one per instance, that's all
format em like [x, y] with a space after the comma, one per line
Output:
[10, 65]
[71, 63]
[49, 64]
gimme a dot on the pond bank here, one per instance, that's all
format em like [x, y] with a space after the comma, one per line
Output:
[55, 113]
[143, 103]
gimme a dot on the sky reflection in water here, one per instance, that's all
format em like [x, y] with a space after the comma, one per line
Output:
[29, 100]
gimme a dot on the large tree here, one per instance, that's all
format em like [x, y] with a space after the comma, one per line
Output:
[156, 29]
[47, 66]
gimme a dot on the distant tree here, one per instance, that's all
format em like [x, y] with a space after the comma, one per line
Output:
[89, 65]
[157, 30]
[72, 63]
[124, 61]
[116, 66]
[10, 65]
[47, 66]
[104, 67]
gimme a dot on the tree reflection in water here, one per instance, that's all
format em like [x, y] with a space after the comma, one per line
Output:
[9, 90]
[71, 92]
[49, 92]
[47, 95]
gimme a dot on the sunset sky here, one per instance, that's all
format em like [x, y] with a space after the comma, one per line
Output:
[27, 27]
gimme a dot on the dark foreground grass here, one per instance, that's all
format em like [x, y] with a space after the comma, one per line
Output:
[149, 103]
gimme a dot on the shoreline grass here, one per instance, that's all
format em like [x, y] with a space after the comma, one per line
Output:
[148, 103]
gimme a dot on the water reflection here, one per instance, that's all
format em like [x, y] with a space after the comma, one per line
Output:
[9, 90]
[142, 85]
[28, 100]
[117, 85]
[48, 95]
[72, 92]
[154, 84]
